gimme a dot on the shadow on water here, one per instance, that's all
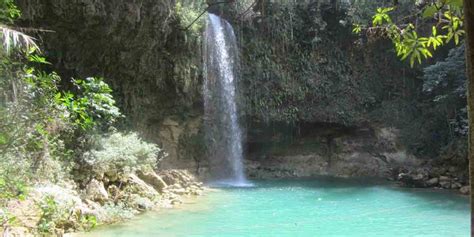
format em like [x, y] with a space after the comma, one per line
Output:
[355, 186]
[436, 197]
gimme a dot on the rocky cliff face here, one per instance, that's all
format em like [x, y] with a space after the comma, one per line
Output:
[299, 65]
[140, 49]
[318, 100]
[327, 149]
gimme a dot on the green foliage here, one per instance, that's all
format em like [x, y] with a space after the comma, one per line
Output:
[441, 14]
[12, 189]
[295, 67]
[434, 123]
[438, 120]
[41, 125]
[44, 129]
[10, 37]
[6, 218]
[62, 216]
[381, 16]
[88, 222]
[117, 212]
[49, 214]
[445, 83]
[188, 11]
[8, 11]
[92, 107]
[121, 154]
[31, 122]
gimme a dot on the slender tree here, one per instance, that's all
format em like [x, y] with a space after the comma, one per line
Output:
[469, 26]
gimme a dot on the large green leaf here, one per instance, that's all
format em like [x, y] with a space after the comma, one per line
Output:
[455, 3]
[430, 11]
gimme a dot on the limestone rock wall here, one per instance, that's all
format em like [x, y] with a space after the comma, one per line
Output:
[139, 47]
[299, 65]
[327, 150]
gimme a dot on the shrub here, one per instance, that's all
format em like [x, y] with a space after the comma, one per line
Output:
[116, 213]
[93, 106]
[57, 216]
[120, 154]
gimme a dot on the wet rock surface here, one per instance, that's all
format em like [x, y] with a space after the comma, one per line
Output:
[132, 193]
[432, 177]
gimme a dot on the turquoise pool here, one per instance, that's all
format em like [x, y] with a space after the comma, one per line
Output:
[318, 207]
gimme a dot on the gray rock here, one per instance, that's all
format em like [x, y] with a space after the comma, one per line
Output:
[140, 187]
[432, 182]
[410, 180]
[444, 178]
[418, 177]
[154, 180]
[456, 185]
[95, 191]
[141, 203]
[179, 191]
[445, 184]
[465, 190]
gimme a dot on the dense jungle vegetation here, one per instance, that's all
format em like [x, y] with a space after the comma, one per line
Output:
[50, 134]
[98, 91]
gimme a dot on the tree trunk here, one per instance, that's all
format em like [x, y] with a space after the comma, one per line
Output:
[469, 24]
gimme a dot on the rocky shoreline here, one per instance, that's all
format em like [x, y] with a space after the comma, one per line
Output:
[437, 178]
[69, 209]
[105, 202]
[416, 176]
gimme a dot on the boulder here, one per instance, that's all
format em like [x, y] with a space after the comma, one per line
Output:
[153, 179]
[432, 182]
[445, 184]
[444, 179]
[141, 203]
[412, 180]
[140, 187]
[179, 191]
[455, 185]
[181, 177]
[95, 191]
[465, 190]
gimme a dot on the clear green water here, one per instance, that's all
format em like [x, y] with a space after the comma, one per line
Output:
[322, 207]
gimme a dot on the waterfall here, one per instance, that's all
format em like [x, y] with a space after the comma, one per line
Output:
[223, 131]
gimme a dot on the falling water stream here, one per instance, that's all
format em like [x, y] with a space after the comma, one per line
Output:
[223, 130]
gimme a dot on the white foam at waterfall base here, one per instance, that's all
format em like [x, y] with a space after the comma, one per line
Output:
[230, 183]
